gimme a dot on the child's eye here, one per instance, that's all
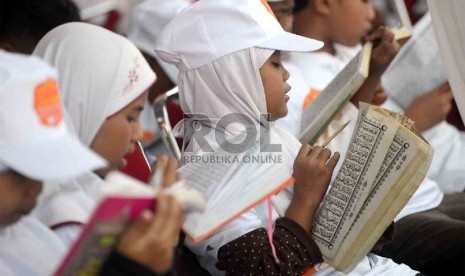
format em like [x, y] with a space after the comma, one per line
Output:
[276, 64]
[132, 119]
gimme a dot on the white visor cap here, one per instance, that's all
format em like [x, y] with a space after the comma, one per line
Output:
[210, 29]
[34, 138]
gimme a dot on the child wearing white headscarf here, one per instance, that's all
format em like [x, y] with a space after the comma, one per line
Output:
[35, 146]
[224, 50]
[101, 73]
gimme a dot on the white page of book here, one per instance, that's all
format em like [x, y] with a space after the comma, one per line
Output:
[231, 188]
[353, 183]
[417, 68]
[401, 152]
[331, 99]
[449, 26]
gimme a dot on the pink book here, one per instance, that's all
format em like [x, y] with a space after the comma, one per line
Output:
[99, 237]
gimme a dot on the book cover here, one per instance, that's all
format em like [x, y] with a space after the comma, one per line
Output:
[99, 237]
[137, 164]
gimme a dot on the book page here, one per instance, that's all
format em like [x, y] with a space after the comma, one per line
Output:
[317, 115]
[232, 184]
[402, 172]
[447, 18]
[204, 177]
[369, 145]
[417, 68]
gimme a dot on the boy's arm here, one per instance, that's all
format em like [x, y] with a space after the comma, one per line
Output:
[384, 51]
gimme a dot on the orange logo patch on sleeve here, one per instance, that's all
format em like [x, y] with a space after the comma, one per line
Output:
[47, 103]
[311, 96]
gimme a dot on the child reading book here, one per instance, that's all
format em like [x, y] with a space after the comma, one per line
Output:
[313, 72]
[36, 146]
[417, 84]
[104, 79]
[232, 65]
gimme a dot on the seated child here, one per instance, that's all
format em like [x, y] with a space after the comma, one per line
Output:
[104, 82]
[36, 146]
[228, 53]
[313, 71]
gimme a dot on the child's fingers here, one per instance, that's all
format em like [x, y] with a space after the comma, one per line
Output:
[169, 176]
[304, 150]
[315, 152]
[445, 87]
[142, 223]
[160, 164]
[161, 212]
[177, 177]
[324, 155]
[174, 220]
[376, 34]
[448, 95]
[169, 230]
[387, 34]
[333, 160]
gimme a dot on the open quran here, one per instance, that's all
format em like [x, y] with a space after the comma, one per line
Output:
[386, 162]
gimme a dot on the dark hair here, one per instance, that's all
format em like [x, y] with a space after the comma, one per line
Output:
[34, 18]
[300, 5]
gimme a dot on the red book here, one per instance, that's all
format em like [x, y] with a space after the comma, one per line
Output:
[137, 165]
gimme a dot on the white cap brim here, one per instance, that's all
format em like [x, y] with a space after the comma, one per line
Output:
[289, 42]
[57, 158]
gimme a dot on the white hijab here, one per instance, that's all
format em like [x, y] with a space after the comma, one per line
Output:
[100, 73]
[232, 84]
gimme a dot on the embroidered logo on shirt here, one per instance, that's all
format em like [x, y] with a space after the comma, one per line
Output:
[47, 103]
[133, 76]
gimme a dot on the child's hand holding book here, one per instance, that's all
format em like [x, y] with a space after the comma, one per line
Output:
[431, 108]
[313, 168]
[385, 48]
[151, 239]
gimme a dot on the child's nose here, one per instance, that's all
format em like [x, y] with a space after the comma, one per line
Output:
[137, 133]
[286, 74]
[371, 12]
[35, 189]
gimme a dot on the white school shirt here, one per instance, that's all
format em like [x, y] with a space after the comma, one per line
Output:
[29, 248]
[315, 70]
[448, 142]
[69, 206]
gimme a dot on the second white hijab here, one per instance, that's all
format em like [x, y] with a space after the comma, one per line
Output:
[100, 73]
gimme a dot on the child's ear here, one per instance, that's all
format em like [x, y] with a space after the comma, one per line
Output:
[322, 7]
